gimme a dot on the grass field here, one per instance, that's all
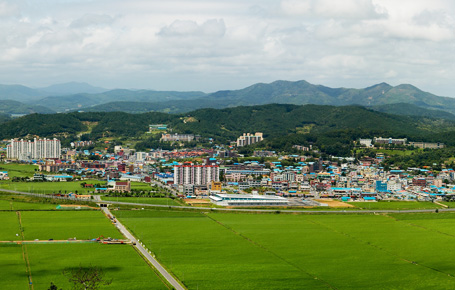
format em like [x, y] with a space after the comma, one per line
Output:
[18, 170]
[120, 263]
[48, 187]
[147, 200]
[140, 186]
[66, 224]
[9, 226]
[279, 251]
[17, 205]
[396, 205]
[205, 255]
[12, 275]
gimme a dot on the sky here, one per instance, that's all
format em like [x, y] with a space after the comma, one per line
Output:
[210, 45]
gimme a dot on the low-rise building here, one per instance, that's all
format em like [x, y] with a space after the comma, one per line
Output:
[248, 200]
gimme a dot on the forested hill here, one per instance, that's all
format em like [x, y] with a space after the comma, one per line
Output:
[227, 124]
[297, 93]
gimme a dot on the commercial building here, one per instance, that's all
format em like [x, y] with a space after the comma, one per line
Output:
[366, 142]
[157, 127]
[36, 149]
[248, 139]
[177, 137]
[248, 200]
[425, 145]
[189, 173]
[381, 140]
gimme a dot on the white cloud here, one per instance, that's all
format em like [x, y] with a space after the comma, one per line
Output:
[8, 9]
[346, 9]
[179, 28]
[92, 20]
[209, 45]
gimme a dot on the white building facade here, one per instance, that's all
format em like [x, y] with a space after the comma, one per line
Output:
[248, 139]
[36, 149]
[196, 174]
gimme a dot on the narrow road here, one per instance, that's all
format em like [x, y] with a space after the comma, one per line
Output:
[146, 254]
[340, 211]
[337, 211]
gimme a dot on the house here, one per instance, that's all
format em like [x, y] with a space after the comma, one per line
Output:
[121, 186]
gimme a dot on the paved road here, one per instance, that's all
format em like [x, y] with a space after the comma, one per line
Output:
[340, 211]
[281, 210]
[146, 254]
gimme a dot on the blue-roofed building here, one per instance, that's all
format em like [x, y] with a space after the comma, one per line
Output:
[381, 186]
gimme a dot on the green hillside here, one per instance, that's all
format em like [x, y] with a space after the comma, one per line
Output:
[15, 107]
[412, 110]
[280, 92]
[85, 101]
[330, 128]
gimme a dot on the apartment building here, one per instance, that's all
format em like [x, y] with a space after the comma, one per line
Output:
[36, 149]
[189, 173]
[248, 139]
[177, 137]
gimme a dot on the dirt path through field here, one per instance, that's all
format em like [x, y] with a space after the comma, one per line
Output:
[25, 253]
[334, 203]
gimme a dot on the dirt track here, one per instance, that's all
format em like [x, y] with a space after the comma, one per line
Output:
[334, 203]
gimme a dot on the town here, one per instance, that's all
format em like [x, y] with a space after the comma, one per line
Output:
[221, 176]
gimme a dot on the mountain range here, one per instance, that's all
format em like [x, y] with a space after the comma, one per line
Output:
[403, 99]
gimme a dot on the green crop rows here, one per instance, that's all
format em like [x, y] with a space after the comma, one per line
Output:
[279, 251]
[121, 263]
[147, 200]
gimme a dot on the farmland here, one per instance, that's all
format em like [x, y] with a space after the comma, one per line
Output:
[48, 187]
[395, 205]
[121, 263]
[147, 200]
[61, 225]
[19, 170]
[279, 251]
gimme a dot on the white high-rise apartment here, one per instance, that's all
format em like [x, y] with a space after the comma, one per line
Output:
[36, 149]
[248, 139]
[196, 174]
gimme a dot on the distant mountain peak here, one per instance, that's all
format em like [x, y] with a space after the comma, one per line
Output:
[71, 88]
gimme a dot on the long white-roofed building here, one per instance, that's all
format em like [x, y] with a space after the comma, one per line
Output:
[36, 149]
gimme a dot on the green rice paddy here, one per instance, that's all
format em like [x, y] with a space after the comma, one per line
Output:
[48, 187]
[62, 225]
[280, 251]
[147, 200]
[121, 263]
[395, 205]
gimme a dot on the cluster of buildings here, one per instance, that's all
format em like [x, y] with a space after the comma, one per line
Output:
[248, 139]
[25, 150]
[177, 137]
[404, 141]
[212, 173]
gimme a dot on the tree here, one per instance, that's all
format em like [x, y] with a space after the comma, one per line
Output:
[86, 278]
[53, 287]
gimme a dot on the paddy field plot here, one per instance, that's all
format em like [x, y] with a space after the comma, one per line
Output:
[57, 225]
[48, 187]
[147, 200]
[205, 255]
[18, 205]
[280, 251]
[9, 226]
[19, 170]
[13, 268]
[120, 263]
[395, 205]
